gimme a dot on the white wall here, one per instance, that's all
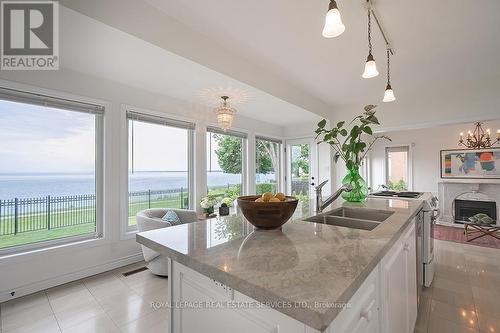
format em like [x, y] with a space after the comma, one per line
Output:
[426, 145]
[29, 272]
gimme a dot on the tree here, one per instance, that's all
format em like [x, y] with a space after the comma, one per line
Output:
[300, 161]
[229, 154]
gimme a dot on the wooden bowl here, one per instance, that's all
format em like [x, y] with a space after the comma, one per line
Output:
[267, 215]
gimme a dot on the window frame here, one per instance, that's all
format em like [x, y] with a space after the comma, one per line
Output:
[55, 99]
[280, 174]
[244, 152]
[409, 150]
[154, 117]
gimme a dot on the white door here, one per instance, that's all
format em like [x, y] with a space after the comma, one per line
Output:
[301, 166]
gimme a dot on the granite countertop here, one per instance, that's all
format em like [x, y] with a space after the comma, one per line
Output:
[305, 262]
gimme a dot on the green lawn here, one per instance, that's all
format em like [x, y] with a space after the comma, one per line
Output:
[83, 219]
[42, 235]
[61, 218]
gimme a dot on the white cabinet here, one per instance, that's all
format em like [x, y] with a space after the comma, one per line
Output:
[399, 285]
[191, 289]
[386, 302]
[363, 314]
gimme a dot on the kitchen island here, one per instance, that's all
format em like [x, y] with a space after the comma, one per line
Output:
[308, 277]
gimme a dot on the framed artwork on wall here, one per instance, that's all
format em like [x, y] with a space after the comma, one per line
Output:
[470, 163]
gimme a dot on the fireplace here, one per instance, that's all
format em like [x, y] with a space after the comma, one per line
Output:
[467, 208]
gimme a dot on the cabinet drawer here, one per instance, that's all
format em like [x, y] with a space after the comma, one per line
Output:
[184, 276]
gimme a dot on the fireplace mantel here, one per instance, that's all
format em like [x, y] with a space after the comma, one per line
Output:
[448, 191]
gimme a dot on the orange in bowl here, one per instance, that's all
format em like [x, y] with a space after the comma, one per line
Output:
[267, 215]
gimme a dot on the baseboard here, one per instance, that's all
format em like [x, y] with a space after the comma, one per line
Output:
[73, 276]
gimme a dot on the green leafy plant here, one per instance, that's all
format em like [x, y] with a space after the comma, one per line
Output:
[398, 186]
[351, 144]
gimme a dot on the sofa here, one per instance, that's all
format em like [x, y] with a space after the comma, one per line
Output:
[150, 219]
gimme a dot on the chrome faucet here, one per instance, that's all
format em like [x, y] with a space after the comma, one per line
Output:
[322, 204]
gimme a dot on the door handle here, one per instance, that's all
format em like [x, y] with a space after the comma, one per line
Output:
[367, 313]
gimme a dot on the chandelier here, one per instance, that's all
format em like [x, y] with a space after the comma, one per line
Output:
[479, 138]
[225, 114]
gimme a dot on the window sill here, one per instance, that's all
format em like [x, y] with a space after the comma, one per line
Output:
[54, 245]
[129, 234]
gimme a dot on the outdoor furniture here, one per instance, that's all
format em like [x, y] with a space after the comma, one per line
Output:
[151, 219]
[476, 230]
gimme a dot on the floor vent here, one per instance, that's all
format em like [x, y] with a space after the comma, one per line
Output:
[135, 271]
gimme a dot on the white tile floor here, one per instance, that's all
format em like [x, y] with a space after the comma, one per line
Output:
[465, 294]
[108, 302]
[465, 297]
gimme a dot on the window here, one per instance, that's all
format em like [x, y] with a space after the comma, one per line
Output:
[267, 165]
[159, 163]
[225, 164]
[300, 165]
[397, 168]
[50, 170]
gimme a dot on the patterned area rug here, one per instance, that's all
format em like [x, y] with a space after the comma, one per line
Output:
[456, 235]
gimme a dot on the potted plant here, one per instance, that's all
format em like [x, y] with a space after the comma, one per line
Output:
[351, 145]
[208, 203]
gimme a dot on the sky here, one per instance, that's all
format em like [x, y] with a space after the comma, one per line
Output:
[41, 139]
[38, 139]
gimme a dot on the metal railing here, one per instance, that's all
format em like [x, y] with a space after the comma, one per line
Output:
[20, 215]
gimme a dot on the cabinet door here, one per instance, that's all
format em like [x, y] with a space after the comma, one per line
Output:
[394, 296]
[363, 314]
[399, 285]
[411, 277]
[190, 287]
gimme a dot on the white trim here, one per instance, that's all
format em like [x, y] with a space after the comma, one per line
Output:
[55, 93]
[5, 295]
[432, 124]
[29, 249]
[313, 161]
[126, 231]
[410, 162]
[99, 165]
[280, 173]
[128, 107]
[244, 155]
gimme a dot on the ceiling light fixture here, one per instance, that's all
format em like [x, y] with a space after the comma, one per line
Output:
[225, 114]
[333, 21]
[370, 66]
[479, 138]
[389, 93]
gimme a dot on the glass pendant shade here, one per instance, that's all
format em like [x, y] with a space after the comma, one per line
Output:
[225, 114]
[389, 94]
[370, 68]
[333, 22]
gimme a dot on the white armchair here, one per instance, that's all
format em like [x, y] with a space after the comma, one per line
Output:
[150, 219]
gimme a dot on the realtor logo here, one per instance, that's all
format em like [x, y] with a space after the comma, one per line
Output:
[30, 35]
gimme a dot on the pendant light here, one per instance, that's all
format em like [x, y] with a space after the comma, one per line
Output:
[370, 66]
[389, 94]
[225, 114]
[333, 22]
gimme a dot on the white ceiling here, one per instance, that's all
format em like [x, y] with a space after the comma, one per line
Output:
[94, 48]
[445, 68]
[448, 46]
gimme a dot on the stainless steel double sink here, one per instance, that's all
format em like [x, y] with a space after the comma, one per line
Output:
[357, 218]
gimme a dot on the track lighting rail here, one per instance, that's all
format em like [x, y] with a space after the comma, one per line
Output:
[389, 47]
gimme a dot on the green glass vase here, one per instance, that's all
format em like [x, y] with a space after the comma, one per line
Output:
[359, 187]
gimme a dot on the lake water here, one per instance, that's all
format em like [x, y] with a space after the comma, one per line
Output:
[40, 185]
